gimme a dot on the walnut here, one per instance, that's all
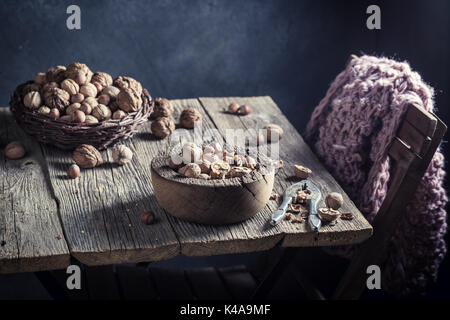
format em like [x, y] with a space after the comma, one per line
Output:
[79, 72]
[88, 90]
[274, 196]
[73, 172]
[122, 154]
[189, 117]
[56, 74]
[111, 91]
[72, 108]
[128, 83]
[91, 101]
[301, 171]
[273, 132]
[101, 112]
[191, 170]
[101, 80]
[30, 87]
[162, 127]
[162, 108]
[205, 167]
[86, 156]
[32, 100]
[46, 88]
[57, 98]
[334, 200]
[250, 163]
[129, 100]
[347, 216]
[44, 110]
[14, 150]
[219, 170]
[70, 86]
[302, 196]
[239, 171]
[90, 119]
[40, 78]
[327, 214]
[191, 152]
[66, 118]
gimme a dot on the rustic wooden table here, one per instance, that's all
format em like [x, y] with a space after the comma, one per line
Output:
[45, 218]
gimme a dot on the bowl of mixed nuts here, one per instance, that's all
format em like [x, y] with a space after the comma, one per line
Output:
[70, 106]
[211, 185]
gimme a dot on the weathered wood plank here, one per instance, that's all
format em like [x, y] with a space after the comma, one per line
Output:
[100, 210]
[293, 150]
[31, 236]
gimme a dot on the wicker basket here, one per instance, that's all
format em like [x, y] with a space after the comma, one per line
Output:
[68, 136]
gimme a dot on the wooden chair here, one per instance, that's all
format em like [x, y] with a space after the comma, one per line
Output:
[417, 139]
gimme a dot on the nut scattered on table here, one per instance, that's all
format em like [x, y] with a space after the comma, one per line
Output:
[273, 196]
[147, 218]
[273, 132]
[301, 171]
[122, 154]
[346, 216]
[87, 156]
[233, 107]
[334, 200]
[15, 150]
[189, 117]
[328, 214]
[162, 127]
[245, 109]
[73, 172]
[162, 107]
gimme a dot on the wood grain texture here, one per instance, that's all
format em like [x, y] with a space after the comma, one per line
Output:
[292, 150]
[100, 210]
[31, 236]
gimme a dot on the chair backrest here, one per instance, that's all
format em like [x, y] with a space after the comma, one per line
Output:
[417, 139]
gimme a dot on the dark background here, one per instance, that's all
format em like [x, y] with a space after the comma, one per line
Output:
[290, 50]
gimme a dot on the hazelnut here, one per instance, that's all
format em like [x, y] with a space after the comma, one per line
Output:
[103, 99]
[233, 107]
[32, 100]
[162, 108]
[86, 156]
[70, 86]
[91, 101]
[101, 112]
[73, 172]
[57, 98]
[122, 154]
[77, 98]
[189, 117]
[128, 83]
[244, 109]
[78, 117]
[147, 218]
[88, 90]
[101, 80]
[129, 100]
[191, 170]
[40, 78]
[301, 171]
[334, 200]
[54, 113]
[119, 115]
[56, 74]
[44, 110]
[162, 127]
[113, 105]
[111, 91]
[72, 108]
[79, 72]
[86, 108]
[191, 152]
[90, 119]
[14, 150]
[273, 132]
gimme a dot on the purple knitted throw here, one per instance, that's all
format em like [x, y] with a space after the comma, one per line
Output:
[350, 131]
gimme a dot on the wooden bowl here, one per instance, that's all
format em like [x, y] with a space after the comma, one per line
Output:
[212, 202]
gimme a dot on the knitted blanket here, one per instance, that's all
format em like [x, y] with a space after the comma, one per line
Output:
[350, 131]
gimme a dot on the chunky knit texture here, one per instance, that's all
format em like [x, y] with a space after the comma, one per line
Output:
[350, 131]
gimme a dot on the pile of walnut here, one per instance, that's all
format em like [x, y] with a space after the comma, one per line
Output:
[211, 162]
[75, 94]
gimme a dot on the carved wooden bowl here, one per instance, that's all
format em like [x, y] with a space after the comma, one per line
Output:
[212, 202]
